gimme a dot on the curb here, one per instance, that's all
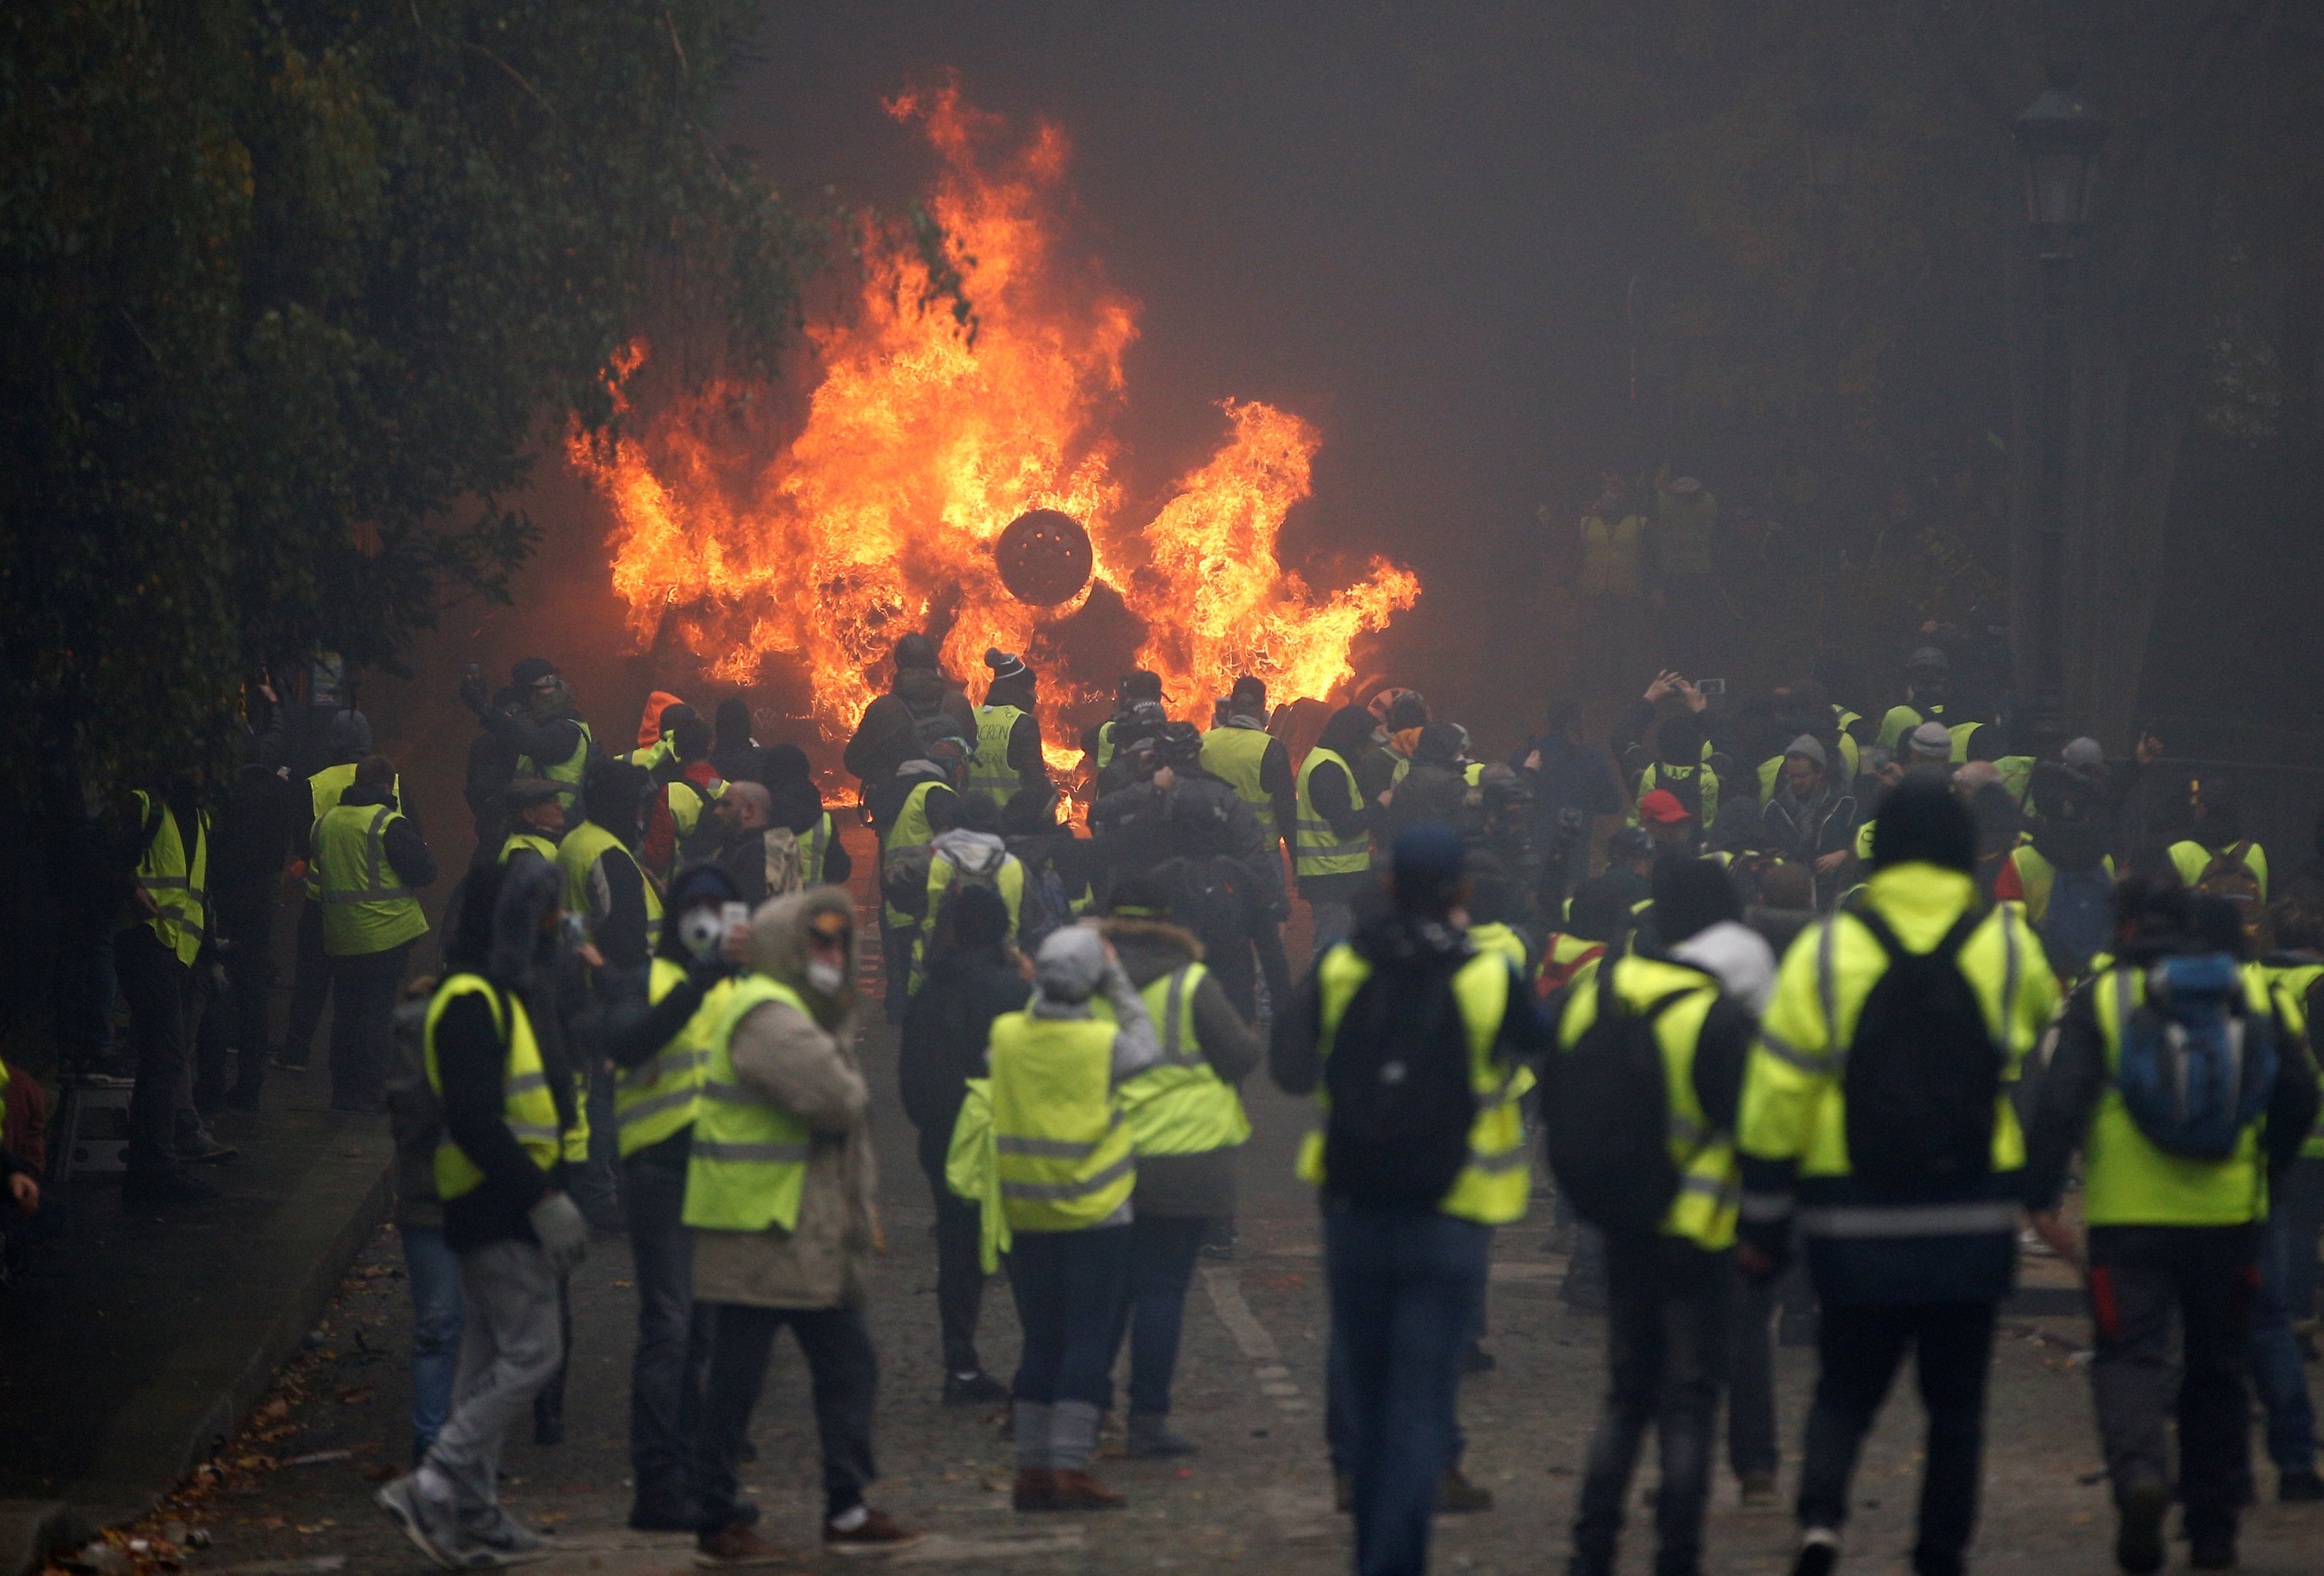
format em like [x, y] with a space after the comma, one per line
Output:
[32, 1531]
[142, 1463]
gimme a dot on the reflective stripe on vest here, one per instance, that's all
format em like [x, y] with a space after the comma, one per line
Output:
[748, 1165]
[1710, 1183]
[1316, 848]
[565, 774]
[366, 908]
[2129, 1180]
[988, 768]
[1060, 1142]
[178, 887]
[1180, 1106]
[526, 1105]
[654, 1101]
[1493, 1187]
[1238, 755]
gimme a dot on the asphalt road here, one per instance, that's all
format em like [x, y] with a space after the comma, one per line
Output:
[1257, 1495]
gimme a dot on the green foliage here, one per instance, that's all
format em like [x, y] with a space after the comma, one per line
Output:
[287, 291]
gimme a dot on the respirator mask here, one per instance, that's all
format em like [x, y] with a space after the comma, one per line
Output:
[702, 930]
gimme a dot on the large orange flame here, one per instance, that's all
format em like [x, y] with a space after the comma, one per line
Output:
[920, 445]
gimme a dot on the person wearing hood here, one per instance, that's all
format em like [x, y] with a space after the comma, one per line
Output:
[1668, 1289]
[506, 1098]
[795, 804]
[1908, 1259]
[1067, 1170]
[1008, 755]
[543, 728]
[1187, 1125]
[974, 975]
[1812, 819]
[908, 809]
[894, 725]
[970, 854]
[1407, 1217]
[780, 1183]
[370, 859]
[1331, 827]
[2171, 1240]
[656, 1026]
[656, 725]
[604, 884]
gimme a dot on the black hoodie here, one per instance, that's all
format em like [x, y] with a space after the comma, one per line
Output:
[499, 937]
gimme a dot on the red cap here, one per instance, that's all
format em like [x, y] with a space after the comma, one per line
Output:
[1661, 805]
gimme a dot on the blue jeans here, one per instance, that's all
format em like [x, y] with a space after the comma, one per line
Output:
[1067, 1285]
[1153, 1306]
[674, 1333]
[1405, 1285]
[2277, 1372]
[436, 1322]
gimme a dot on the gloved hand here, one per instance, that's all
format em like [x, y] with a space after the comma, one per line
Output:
[564, 1235]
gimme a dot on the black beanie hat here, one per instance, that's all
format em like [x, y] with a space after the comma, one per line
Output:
[1920, 823]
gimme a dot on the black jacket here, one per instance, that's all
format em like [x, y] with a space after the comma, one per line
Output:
[402, 842]
[472, 1060]
[948, 1030]
[1198, 816]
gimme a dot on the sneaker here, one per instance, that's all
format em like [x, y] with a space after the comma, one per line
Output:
[1819, 1552]
[1456, 1496]
[202, 1149]
[1757, 1489]
[974, 1389]
[1077, 1490]
[2299, 1487]
[165, 1187]
[1037, 1489]
[2138, 1530]
[736, 1548]
[1150, 1438]
[510, 1540]
[876, 1534]
[430, 1524]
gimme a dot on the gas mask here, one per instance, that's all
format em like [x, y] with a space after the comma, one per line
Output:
[701, 929]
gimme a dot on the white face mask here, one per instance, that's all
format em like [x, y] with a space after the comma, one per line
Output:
[702, 930]
[826, 979]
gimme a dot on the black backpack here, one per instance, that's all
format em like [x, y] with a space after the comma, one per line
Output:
[1922, 1069]
[1398, 1080]
[1605, 1109]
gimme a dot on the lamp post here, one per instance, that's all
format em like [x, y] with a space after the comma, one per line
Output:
[2058, 143]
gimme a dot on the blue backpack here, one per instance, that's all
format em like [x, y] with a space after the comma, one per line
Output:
[2196, 1067]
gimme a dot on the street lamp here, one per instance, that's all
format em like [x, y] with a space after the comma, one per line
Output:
[2058, 143]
